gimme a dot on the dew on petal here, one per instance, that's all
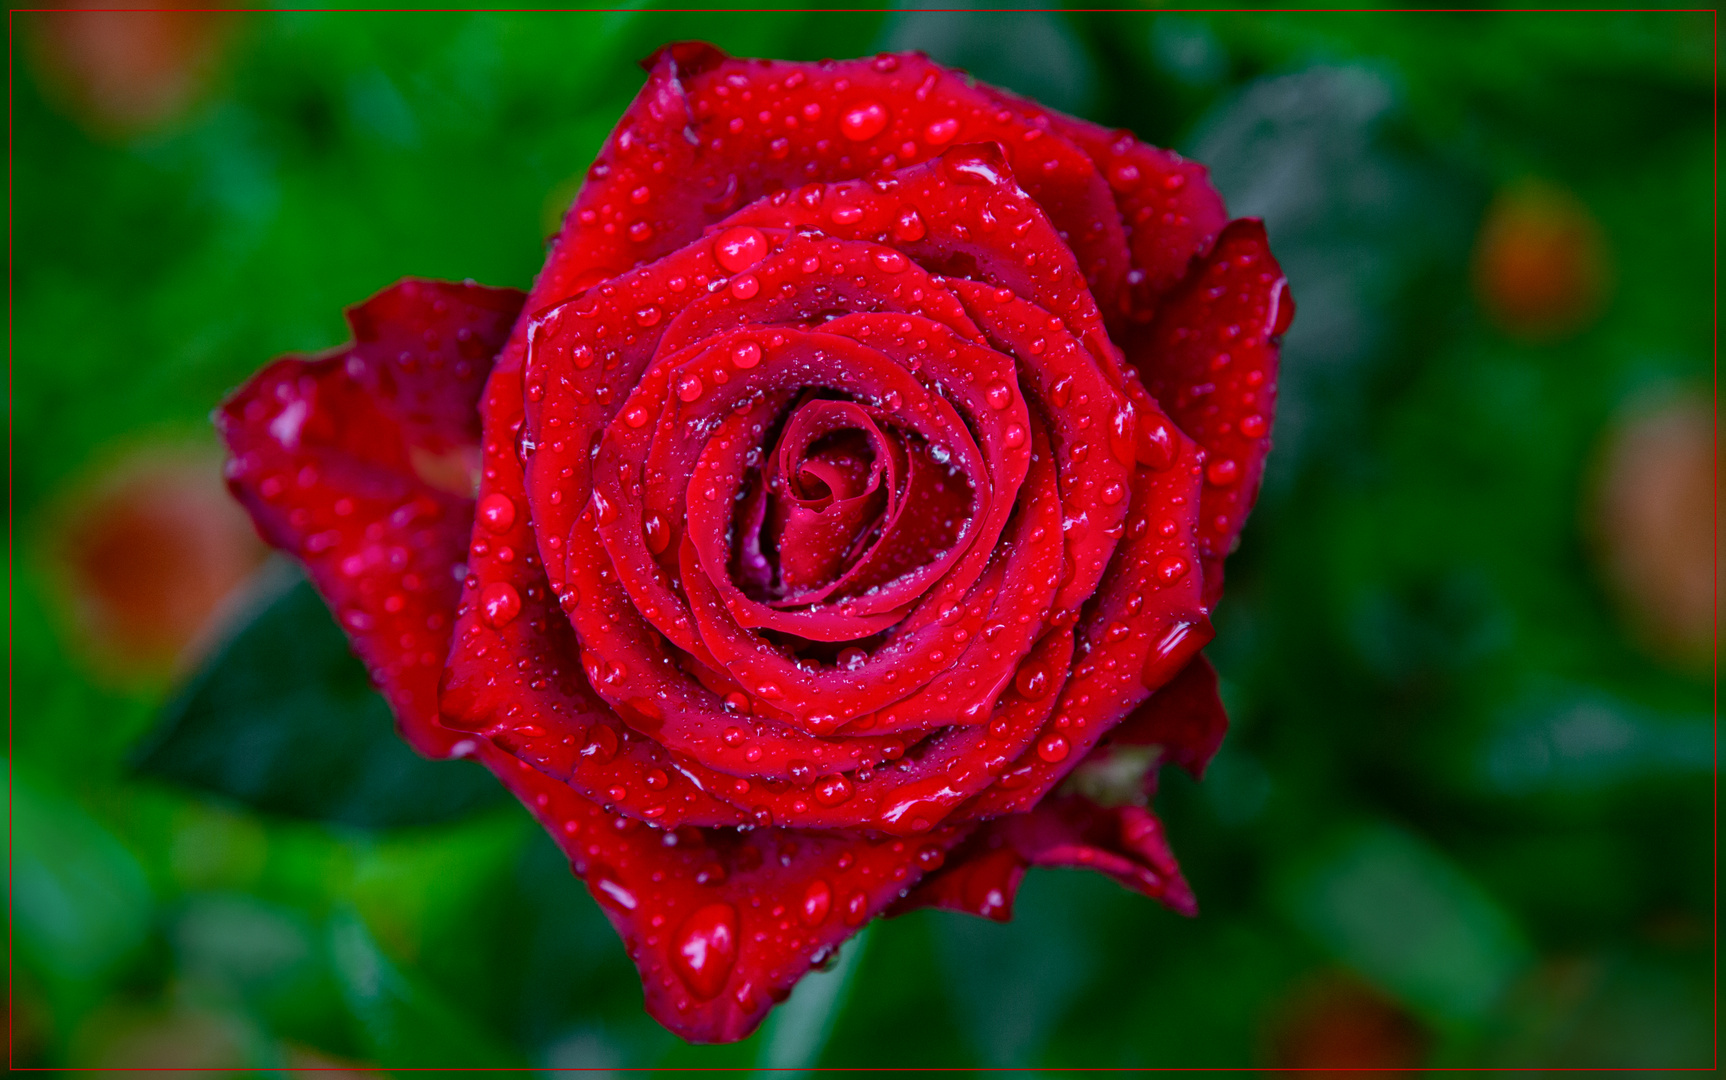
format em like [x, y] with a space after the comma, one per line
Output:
[704, 949]
[497, 512]
[739, 248]
[863, 121]
[500, 603]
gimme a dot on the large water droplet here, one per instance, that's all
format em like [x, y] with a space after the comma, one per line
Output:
[739, 248]
[863, 121]
[500, 603]
[817, 901]
[1053, 748]
[497, 511]
[704, 949]
[832, 790]
[908, 226]
[941, 132]
[1031, 682]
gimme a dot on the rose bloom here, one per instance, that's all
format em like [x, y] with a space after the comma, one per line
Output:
[832, 530]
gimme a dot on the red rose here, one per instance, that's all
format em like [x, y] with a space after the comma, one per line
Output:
[862, 462]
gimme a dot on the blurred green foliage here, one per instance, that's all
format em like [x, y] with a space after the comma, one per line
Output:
[1455, 780]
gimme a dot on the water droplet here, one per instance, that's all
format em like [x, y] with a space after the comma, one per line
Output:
[999, 396]
[832, 790]
[1253, 426]
[601, 745]
[1123, 175]
[1015, 436]
[973, 164]
[614, 890]
[1052, 748]
[846, 215]
[890, 261]
[863, 121]
[746, 355]
[500, 603]
[1222, 472]
[658, 536]
[1061, 393]
[1031, 682]
[744, 287]
[635, 416]
[497, 511]
[1172, 569]
[641, 232]
[856, 909]
[739, 248]
[689, 387]
[908, 226]
[817, 901]
[1156, 443]
[647, 316]
[1113, 494]
[704, 949]
[941, 132]
[603, 511]
[770, 691]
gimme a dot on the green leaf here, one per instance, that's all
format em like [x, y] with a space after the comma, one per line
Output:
[283, 718]
[403, 1024]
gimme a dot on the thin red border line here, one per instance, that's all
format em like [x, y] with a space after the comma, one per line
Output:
[882, 10]
[1714, 445]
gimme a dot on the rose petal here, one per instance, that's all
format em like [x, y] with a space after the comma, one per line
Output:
[1186, 718]
[1125, 842]
[331, 456]
[721, 924]
[1210, 359]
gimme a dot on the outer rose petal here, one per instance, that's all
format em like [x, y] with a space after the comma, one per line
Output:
[1210, 359]
[721, 924]
[1124, 842]
[1186, 718]
[349, 461]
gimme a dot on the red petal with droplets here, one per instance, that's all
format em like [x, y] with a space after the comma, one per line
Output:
[1125, 842]
[721, 924]
[1210, 359]
[1186, 718]
[360, 464]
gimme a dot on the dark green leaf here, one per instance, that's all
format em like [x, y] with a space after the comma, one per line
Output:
[282, 717]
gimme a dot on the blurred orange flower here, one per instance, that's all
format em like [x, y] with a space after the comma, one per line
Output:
[1540, 262]
[1335, 1021]
[1652, 520]
[126, 71]
[147, 552]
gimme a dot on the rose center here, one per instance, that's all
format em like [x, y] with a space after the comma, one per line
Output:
[846, 501]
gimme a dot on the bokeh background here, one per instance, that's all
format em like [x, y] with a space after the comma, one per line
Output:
[1464, 815]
